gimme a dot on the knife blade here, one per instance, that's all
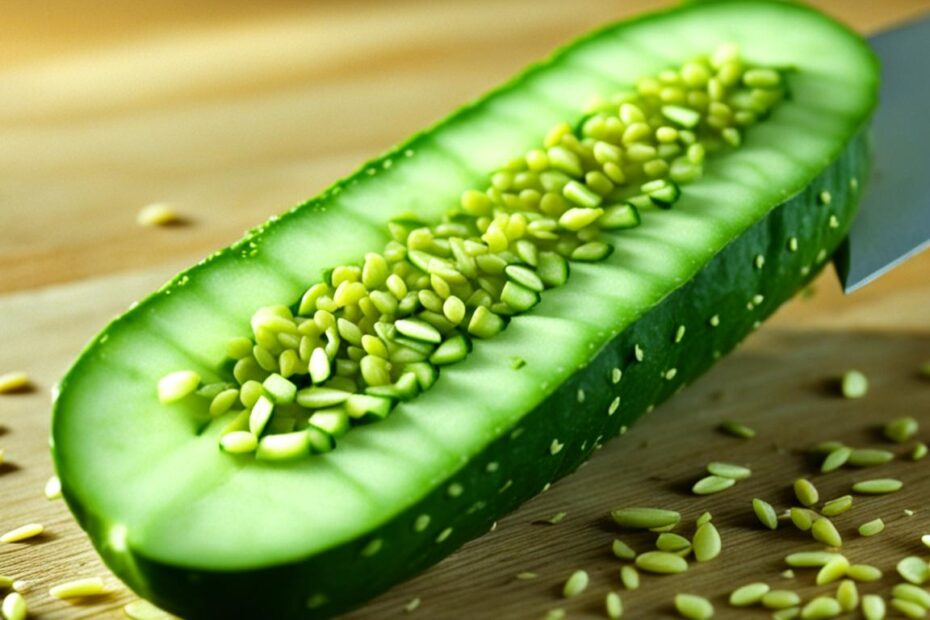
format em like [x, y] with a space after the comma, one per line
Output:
[893, 222]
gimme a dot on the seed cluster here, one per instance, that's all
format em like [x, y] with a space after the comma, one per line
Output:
[371, 335]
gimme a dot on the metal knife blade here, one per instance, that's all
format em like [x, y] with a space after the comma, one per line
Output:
[893, 223]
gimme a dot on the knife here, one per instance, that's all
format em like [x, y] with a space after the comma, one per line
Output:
[893, 222]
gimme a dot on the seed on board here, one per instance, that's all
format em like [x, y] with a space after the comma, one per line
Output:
[810, 559]
[912, 593]
[780, 599]
[526, 575]
[78, 588]
[869, 457]
[854, 384]
[176, 385]
[824, 531]
[919, 451]
[749, 594]
[871, 528]
[806, 492]
[24, 532]
[613, 605]
[736, 429]
[864, 573]
[820, 608]
[412, 605]
[837, 506]
[707, 543]
[835, 459]
[908, 609]
[879, 486]
[13, 382]
[555, 614]
[14, 607]
[913, 569]
[576, 584]
[900, 429]
[53, 488]
[729, 470]
[622, 550]
[661, 563]
[644, 518]
[802, 518]
[629, 577]
[765, 513]
[832, 570]
[668, 541]
[158, 214]
[693, 607]
[873, 607]
[712, 484]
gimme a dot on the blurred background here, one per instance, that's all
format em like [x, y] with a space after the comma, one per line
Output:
[232, 111]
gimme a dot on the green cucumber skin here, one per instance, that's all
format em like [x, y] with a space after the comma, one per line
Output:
[723, 287]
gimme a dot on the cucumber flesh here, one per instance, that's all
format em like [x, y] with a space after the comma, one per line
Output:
[157, 500]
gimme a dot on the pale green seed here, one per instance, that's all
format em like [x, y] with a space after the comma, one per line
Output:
[925, 539]
[873, 607]
[908, 609]
[913, 569]
[824, 531]
[730, 427]
[707, 543]
[176, 385]
[622, 550]
[21, 533]
[806, 492]
[693, 607]
[78, 588]
[613, 605]
[52, 491]
[765, 513]
[837, 506]
[749, 594]
[820, 608]
[629, 577]
[144, 610]
[576, 584]
[555, 614]
[901, 429]
[644, 518]
[810, 559]
[871, 528]
[661, 563]
[780, 599]
[919, 451]
[864, 572]
[869, 457]
[704, 518]
[14, 607]
[712, 484]
[802, 518]
[854, 384]
[789, 613]
[832, 570]
[879, 486]
[668, 541]
[729, 470]
[912, 593]
[835, 459]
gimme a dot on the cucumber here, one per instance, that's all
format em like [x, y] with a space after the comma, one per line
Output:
[208, 532]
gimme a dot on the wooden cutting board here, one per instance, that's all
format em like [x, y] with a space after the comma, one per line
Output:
[231, 119]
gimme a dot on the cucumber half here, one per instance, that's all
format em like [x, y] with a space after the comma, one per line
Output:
[207, 534]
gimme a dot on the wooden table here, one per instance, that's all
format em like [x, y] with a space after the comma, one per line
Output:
[233, 117]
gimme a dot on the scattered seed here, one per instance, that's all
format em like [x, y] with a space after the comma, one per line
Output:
[913, 569]
[53, 488]
[869, 457]
[412, 605]
[554, 519]
[873, 607]
[21, 533]
[806, 492]
[555, 614]
[780, 599]
[712, 484]
[765, 513]
[14, 607]
[900, 429]
[704, 518]
[919, 451]
[802, 518]
[13, 382]
[908, 609]
[736, 429]
[912, 593]
[878, 486]
[576, 584]
[693, 607]
[707, 544]
[837, 506]
[613, 604]
[157, 214]
[78, 588]
[622, 550]
[645, 518]
[672, 542]
[854, 384]
[661, 563]
[871, 528]
[864, 573]
[821, 607]
[527, 576]
[832, 570]
[749, 594]
[824, 531]
[810, 559]
[787, 573]
[836, 459]
[729, 470]
[788, 613]
[629, 577]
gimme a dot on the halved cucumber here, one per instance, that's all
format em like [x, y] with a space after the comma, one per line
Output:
[208, 534]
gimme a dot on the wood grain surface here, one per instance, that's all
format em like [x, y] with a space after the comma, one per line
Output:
[233, 112]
